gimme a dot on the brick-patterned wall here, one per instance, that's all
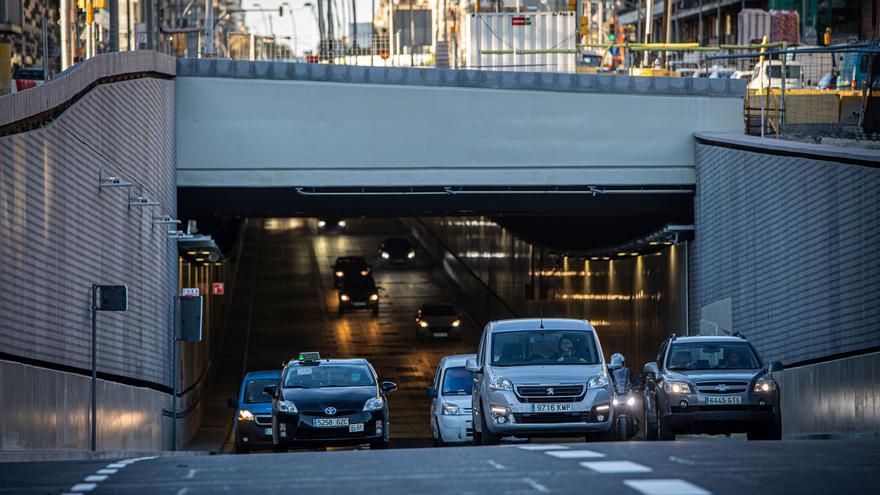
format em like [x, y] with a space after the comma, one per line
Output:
[60, 233]
[795, 243]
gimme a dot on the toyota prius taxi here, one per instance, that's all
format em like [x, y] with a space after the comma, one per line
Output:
[328, 402]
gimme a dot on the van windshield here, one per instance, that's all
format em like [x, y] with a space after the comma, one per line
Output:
[791, 71]
[544, 348]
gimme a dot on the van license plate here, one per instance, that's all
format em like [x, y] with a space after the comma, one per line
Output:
[331, 423]
[550, 408]
[722, 400]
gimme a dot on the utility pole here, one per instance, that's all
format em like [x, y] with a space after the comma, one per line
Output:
[114, 25]
[148, 22]
[667, 21]
[209, 28]
[322, 45]
[649, 24]
[45, 33]
[330, 33]
[412, 36]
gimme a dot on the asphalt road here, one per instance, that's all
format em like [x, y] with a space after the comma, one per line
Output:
[285, 303]
[667, 468]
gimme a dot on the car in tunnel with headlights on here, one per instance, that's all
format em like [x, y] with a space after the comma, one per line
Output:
[253, 412]
[540, 377]
[349, 266]
[711, 385]
[329, 402]
[450, 393]
[438, 320]
[329, 224]
[397, 250]
[358, 292]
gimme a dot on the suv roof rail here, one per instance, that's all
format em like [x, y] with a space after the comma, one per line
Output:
[740, 335]
[673, 336]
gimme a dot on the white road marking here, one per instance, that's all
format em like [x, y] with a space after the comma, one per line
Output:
[614, 467]
[117, 465]
[665, 487]
[574, 454]
[182, 491]
[542, 446]
[496, 465]
[95, 478]
[191, 474]
[682, 461]
[83, 487]
[536, 486]
[107, 471]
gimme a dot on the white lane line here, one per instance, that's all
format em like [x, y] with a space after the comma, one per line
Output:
[542, 446]
[191, 474]
[107, 471]
[665, 487]
[574, 454]
[116, 465]
[682, 461]
[496, 465]
[95, 478]
[536, 486]
[182, 491]
[83, 487]
[615, 467]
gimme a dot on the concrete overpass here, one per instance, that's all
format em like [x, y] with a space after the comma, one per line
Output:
[271, 125]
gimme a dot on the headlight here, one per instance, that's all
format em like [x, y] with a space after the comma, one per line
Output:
[456, 323]
[374, 297]
[286, 406]
[365, 272]
[500, 383]
[423, 324]
[341, 223]
[411, 254]
[340, 274]
[451, 410]
[677, 387]
[374, 404]
[598, 381]
[321, 223]
[385, 255]
[765, 385]
[245, 415]
[344, 297]
[631, 401]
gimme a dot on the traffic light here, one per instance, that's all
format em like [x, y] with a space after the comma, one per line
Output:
[611, 31]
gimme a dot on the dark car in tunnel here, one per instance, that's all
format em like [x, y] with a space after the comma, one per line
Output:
[358, 292]
[328, 402]
[397, 250]
[329, 224]
[253, 416]
[349, 266]
[438, 320]
[711, 385]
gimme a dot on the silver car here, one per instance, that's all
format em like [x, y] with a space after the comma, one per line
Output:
[540, 377]
[451, 420]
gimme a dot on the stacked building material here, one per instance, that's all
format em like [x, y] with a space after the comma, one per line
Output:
[785, 26]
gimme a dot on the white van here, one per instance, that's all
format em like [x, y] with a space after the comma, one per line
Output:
[769, 75]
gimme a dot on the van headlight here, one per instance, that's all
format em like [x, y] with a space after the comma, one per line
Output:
[374, 404]
[677, 387]
[456, 323]
[385, 255]
[451, 410]
[598, 381]
[374, 297]
[411, 254]
[245, 415]
[287, 406]
[500, 383]
[765, 385]
[344, 297]
[340, 273]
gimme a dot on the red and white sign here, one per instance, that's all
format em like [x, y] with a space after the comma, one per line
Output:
[520, 20]
[218, 288]
[190, 291]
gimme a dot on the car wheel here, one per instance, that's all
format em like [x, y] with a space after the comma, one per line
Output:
[279, 448]
[650, 428]
[488, 438]
[662, 431]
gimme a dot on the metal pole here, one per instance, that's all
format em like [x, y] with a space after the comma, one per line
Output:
[700, 22]
[209, 27]
[649, 25]
[412, 36]
[321, 34]
[114, 25]
[667, 30]
[94, 418]
[148, 22]
[45, 35]
[175, 353]
[64, 11]
[372, 31]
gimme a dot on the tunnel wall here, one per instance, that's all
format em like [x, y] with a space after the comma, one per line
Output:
[634, 304]
[786, 250]
[60, 233]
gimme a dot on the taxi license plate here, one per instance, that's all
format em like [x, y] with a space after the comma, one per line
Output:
[550, 408]
[268, 431]
[357, 427]
[722, 400]
[330, 423]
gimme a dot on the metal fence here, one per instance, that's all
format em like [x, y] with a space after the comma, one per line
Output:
[817, 90]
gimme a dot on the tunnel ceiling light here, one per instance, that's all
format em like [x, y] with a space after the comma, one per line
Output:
[165, 220]
[142, 201]
[112, 181]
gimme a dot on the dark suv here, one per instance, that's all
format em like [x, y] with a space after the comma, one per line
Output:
[712, 385]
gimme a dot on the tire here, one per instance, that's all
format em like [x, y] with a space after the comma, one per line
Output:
[488, 438]
[650, 428]
[279, 448]
[663, 432]
[623, 432]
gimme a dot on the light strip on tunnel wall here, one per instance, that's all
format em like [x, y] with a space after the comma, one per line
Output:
[590, 190]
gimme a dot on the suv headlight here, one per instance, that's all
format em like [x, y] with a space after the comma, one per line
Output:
[374, 297]
[451, 410]
[456, 323]
[340, 273]
[245, 415]
[374, 404]
[344, 297]
[677, 387]
[500, 383]
[598, 381]
[765, 385]
[411, 254]
[286, 406]
[385, 255]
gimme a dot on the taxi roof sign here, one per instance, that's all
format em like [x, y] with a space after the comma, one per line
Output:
[309, 356]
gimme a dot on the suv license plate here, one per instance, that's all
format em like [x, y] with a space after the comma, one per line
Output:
[722, 400]
[441, 334]
[330, 423]
[550, 408]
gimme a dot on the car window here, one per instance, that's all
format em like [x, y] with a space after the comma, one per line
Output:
[544, 347]
[712, 355]
[480, 348]
[662, 354]
[437, 377]
[457, 381]
[253, 390]
[329, 375]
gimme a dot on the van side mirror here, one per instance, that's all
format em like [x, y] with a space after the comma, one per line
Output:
[231, 403]
[775, 366]
[471, 365]
[651, 369]
[389, 386]
[432, 392]
[270, 390]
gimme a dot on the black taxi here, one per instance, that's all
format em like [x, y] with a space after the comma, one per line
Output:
[328, 402]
